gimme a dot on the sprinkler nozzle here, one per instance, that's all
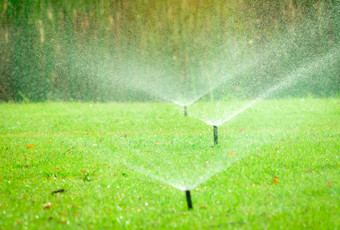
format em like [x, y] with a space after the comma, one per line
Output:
[215, 135]
[185, 111]
[189, 202]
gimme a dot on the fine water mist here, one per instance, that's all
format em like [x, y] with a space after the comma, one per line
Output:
[181, 164]
[218, 112]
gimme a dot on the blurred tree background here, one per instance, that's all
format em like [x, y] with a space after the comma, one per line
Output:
[57, 50]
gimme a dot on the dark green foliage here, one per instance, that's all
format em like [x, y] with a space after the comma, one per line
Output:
[74, 50]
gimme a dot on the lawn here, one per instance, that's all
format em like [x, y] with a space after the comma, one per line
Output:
[123, 165]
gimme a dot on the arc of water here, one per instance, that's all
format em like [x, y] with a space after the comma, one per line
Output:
[292, 78]
[155, 177]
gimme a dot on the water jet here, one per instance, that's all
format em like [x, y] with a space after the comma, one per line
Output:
[189, 201]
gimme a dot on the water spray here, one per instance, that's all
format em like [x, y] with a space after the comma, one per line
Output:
[185, 111]
[215, 135]
[189, 202]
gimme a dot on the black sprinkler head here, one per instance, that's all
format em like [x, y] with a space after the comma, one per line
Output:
[185, 111]
[189, 202]
[215, 135]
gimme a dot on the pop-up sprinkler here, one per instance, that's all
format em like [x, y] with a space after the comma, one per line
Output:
[189, 202]
[185, 111]
[215, 135]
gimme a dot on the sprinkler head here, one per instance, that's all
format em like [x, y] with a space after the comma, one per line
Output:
[215, 135]
[185, 111]
[189, 202]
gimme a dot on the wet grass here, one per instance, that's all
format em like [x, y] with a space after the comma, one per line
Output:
[73, 165]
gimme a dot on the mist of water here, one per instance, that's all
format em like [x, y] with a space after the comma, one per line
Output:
[219, 112]
[183, 166]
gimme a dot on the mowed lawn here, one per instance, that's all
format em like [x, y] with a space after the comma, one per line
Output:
[115, 165]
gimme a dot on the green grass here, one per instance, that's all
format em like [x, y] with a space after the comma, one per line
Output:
[130, 153]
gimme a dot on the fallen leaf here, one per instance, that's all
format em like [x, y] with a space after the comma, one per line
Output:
[100, 140]
[282, 140]
[83, 171]
[242, 130]
[57, 169]
[276, 180]
[158, 143]
[232, 154]
[50, 218]
[329, 183]
[309, 171]
[47, 206]
[3, 206]
[30, 146]
[59, 191]
[48, 142]
[18, 222]
[76, 214]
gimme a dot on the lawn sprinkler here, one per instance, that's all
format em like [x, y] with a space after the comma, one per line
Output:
[189, 202]
[185, 111]
[215, 135]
